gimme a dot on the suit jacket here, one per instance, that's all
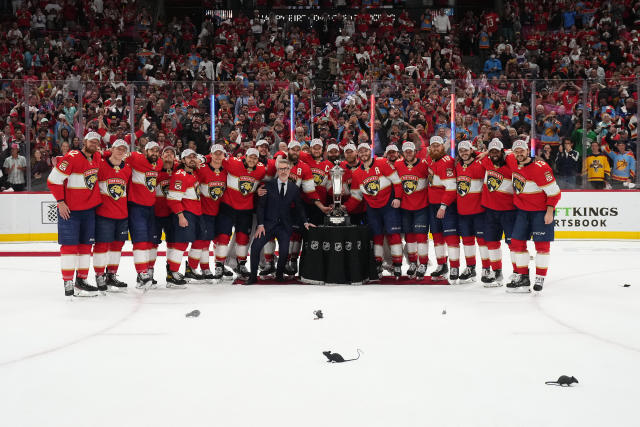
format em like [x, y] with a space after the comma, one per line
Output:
[274, 210]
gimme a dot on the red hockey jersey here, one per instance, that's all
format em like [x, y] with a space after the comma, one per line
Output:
[113, 181]
[360, 206]
[375, 185]
[442, 181]
[302, 176]
[469, 188]
[144, 178]
[534, 185]
[241, 183]
[161, 208]
[497, 191]
[184, 193]
[414, 184]
[321, 178]
[74, 180]
[212, 185]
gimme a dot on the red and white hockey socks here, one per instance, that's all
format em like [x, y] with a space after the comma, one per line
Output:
[222, 248]
[378, 242]
[242, 247]
[174, 255]
[68, 260]
[100, 258]
[453, 249]
[484, 253]
[84, 260]
[495, 255]
[395, 247]
[295, 244]
[152, 254]
[412, 247]
[440, 249]
[542, 257]
[469, 246]
[521, 256]
[194, 254]
[113, 256]
[423, 248]
[204, 255]
[269, 250]
[141, 256]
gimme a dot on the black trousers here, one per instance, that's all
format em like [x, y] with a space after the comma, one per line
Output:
[283, 235]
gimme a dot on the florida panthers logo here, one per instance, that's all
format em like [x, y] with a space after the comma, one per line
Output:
[116, 188]
[430, 177]
[596, 165]
[463, 188]
[518, 184]
[90, 178]
[493, 183]
[216, 189]
[371, 186]
[317, 178]
[164, 186]
[150, 181]
[621, 165]
[197, 189]
[409, 185]
[245, 185]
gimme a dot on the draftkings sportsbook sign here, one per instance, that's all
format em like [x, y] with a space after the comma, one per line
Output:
[598, 214]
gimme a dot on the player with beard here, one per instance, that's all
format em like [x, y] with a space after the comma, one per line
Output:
[73, 184]
[333, 157]
[536, 195]
[350, 163]
[471, 223]
[111, 218]
[443, 217]
[378, 185]
[142, 196]
[236, 210]
[184, 201]
[414, 210]
[161, 209]
[320, 171]
[213, 182]
[264, 156]
[500, 213]
[391, 154]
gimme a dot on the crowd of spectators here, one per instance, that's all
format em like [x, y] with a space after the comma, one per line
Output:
[76, 65]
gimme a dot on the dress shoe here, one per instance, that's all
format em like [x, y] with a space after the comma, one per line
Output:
[280, 278]
[252, 280]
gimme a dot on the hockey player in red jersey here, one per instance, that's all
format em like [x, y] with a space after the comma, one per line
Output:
[320, 172]
[112, 228]
[536, 195]
[469, 177]
[391, 154]
[213, 182]
[236, 210]
[413, 174]
[142, 196]
[184, 201]
[500, 213]
[443, 216]
[161, 209]
[350, 163]
[73, 184]
[378, 185]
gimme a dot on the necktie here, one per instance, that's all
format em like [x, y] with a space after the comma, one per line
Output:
[282, 190]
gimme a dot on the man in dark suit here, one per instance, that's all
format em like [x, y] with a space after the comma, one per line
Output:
[276, 218]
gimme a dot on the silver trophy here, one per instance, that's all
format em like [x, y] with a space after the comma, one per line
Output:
[338, 214]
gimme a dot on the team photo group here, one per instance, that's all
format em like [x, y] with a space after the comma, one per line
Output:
[216, 204]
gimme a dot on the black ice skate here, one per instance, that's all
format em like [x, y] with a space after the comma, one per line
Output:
[268, 270]
[101, 283]
[537, 286]
[176, 280]
[143, 281]
[440, 272]
[84, 289]
[454, 275]
[411, 272]
[68, 288]
[521, 284]
[421, 271]
[191, 275]
[468, 275]
[397, 270]
[115, 285]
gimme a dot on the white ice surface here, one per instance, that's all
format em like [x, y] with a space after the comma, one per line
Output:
[253, 357]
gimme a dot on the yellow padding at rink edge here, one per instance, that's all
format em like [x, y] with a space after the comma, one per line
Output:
[602, 235]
